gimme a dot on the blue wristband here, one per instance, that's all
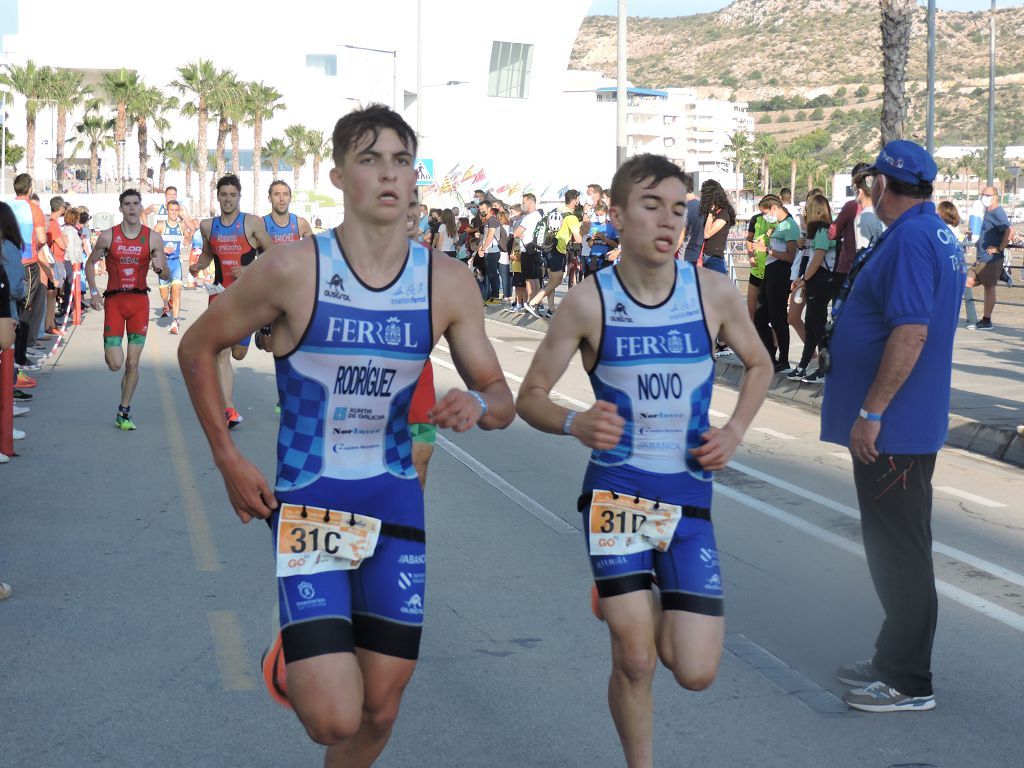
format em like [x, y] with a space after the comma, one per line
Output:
[870, 416]
[479, 399]
[567, 424]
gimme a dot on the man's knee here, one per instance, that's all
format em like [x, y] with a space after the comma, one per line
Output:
[637, 665]
[331, 726]
[379, 720]
[694, 678]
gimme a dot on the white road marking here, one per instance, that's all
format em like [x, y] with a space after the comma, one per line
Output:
[496, 341]
[717, 414]
[443, 347]
[775, 434]
[527, 350]
[508, 490]
[966, 599]
[957, 554]
[517, 327]
[970, 497]
[1005, 407]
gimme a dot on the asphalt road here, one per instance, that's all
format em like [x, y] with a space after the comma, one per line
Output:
[141, 605]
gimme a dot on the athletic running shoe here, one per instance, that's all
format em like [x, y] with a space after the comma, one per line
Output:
[880, 697]
[5, 589]
[984, 325]
[214, 288]
[22, 397]
[532, 310]
[21, 410]
[815, 378]
[30, 366]
[277, 408]
[19, 434]
[234, 417]
[595, 604]
[491, 302]
[4, 458]
[546, 313]
[797, 374]
[723, 352]
[124, 422]
[174, 328]
[784, 369]
[858, 674]
[274, 671]
[25, 381]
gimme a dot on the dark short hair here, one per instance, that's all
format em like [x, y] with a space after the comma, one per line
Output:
[229, 180]
[370, 120]
[571, 194]
[638, 168]
[480, 191]
[9, 229]
[769, 201]
[595, 188]
[128, 193]
[922, 191]
[530, 196]
[56, 203]
[278, 182]
[168, 189]
[22, 184]
[784, 190]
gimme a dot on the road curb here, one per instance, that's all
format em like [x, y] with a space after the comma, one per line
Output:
[1001, 443]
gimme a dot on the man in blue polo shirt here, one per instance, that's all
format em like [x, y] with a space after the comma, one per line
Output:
[887, 400]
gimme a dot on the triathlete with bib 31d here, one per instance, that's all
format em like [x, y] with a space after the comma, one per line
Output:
[128, 250]
[355, 312]
[644, 328]
[231, 242]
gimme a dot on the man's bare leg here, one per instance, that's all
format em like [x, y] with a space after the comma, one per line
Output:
[690, 644]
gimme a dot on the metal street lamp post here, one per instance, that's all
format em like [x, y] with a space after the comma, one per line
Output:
[931, 77]
[620, 89]
[992, 95]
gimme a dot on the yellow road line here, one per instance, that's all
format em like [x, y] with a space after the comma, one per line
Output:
[232, 657]
[204, 550]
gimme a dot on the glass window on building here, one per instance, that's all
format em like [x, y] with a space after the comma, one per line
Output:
[327, 63]
[509, 76]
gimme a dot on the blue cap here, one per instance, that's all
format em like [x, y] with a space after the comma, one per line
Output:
[907, 162]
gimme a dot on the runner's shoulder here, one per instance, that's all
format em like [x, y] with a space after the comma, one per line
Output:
[582, 305]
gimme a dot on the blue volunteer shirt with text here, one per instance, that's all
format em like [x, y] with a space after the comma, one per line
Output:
[916, 276]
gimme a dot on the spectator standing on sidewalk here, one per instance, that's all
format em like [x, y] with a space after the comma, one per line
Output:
[843, 230]
[490, 252]
[887, 396]
[6, 342]
[529, 257]
[692, 238]
[55, 241]
[717, 216]
[773, 299]
[571, 231]
[948, 213]
[815, 285]
[37, 273]
[995, 234]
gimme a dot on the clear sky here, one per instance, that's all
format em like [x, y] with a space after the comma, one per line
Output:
[671, 7]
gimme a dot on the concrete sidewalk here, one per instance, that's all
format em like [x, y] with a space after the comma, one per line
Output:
[987, 401]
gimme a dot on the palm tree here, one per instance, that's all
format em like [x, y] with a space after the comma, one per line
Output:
[67, 90]
[765, 147]
[897, 20]
[950, 170]
[165, 148]
[32, 82]
[148, 104]
[298, 147]
[319, 148]
[186, 155]
[261, 102]
[94, 132]
[223, 102]
[121, 88]
[197, 81]
[737, 150]
[277, 151]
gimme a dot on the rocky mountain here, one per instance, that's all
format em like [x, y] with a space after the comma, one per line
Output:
[815, 64]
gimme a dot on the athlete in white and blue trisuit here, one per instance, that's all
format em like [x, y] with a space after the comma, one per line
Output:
[644, 328]
[355, 312]
[173, 231]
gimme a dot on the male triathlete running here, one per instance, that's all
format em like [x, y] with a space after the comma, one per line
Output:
[355, 312]
[172, 230]
[644, 328]
[159, 213]
[283, 226]
[128, 250]
[231, 242]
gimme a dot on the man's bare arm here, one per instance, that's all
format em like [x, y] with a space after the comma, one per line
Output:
[899, 358]
[304, 229]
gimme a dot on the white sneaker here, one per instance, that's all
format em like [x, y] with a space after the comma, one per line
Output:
[532, 310]
[19, 434]
[214, 288]
[21, 410]
[4, 458]
[5, 589]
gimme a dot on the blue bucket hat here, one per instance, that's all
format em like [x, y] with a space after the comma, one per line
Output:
[905, 161]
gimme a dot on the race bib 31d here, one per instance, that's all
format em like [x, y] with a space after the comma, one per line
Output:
[622, 524]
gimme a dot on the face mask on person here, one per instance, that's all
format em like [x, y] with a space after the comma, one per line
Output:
[771, 218]
[986, 200]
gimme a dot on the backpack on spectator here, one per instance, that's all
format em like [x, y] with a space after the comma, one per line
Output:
[503, 239]
[547, 230]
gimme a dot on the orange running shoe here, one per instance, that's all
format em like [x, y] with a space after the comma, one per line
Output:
[595, 604]
[275, 676]
[25, 381]
[234, 417]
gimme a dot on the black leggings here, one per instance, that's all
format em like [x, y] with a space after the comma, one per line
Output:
[817, 294]
[772, 309]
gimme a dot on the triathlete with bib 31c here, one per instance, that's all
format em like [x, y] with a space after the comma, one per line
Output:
[355, 312]
[644, 328]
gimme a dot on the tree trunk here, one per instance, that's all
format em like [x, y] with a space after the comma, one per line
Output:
[274, 162]
[30, 145]
[257, 159]
[143, 134]
[119, 133]
[295, 174]
[316, 172]
[188, 189]
[792, 176]
[897, 21]
[236, 164]
[163, 173]
[222, 137]
[203, 159]
[94, 166]
[62, 129]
